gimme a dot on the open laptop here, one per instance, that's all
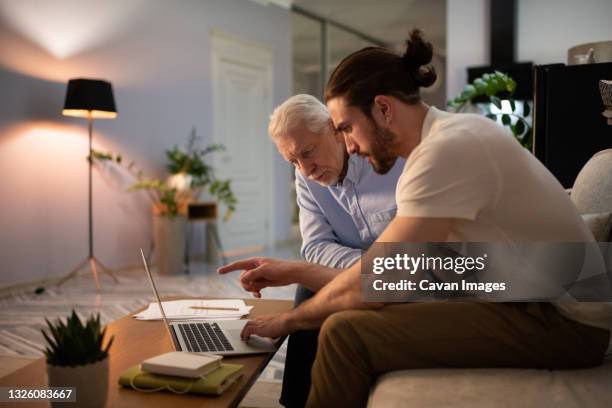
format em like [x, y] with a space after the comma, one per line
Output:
[220, 337]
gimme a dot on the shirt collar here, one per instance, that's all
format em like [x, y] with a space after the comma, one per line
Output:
[353, 172]
[430, 118]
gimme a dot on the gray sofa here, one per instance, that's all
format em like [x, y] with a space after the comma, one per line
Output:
[592, 193]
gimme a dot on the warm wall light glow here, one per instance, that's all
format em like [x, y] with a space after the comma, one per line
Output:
[39, 127]
[56, 133]
[43, 144]
[95, 114]
[40, 149]
[51, 137]
[67, 27]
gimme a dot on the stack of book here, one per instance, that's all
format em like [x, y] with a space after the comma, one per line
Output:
[181, 372]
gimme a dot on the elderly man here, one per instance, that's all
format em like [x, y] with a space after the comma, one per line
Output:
[344, 206]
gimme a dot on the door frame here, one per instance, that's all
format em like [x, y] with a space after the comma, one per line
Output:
[226, 46]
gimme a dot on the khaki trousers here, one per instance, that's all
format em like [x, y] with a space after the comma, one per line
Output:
[355, 346]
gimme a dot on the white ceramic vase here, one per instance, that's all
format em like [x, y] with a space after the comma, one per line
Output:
[169, 237]
[90, 381]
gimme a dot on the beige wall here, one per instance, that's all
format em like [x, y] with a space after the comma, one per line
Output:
[156, 54]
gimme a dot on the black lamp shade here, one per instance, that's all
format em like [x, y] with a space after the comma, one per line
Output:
[90, 98]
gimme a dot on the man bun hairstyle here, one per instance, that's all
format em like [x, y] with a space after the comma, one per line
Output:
[419, 53]
[375, 71]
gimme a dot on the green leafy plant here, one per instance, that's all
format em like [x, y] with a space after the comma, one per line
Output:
[72, 343]
[168, 200]
[191, 161]
[498, 86]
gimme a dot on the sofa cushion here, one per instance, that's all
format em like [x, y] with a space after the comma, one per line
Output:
[592, 190]
[599, 224]
[494, 387]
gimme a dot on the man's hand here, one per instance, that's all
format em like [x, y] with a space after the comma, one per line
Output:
[267, 326]
[259, 273]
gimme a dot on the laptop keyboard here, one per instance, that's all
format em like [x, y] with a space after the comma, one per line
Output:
[204, 337]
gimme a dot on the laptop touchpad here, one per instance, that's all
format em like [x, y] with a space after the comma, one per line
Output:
[235, 334]
[254, 341]
[261, 342]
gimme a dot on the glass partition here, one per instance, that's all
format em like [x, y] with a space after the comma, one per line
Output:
[307, 55]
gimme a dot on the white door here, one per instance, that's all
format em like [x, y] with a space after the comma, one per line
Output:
[242, 91]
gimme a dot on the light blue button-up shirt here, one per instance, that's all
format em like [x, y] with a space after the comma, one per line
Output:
[339, 221]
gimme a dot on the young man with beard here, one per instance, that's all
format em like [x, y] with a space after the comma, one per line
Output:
[343, 207]
[465, 180]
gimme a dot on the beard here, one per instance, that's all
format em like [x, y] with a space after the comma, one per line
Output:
[384, 150]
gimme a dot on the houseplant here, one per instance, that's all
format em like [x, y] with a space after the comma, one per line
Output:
[76, 357]
[190, 176]
[499, 88]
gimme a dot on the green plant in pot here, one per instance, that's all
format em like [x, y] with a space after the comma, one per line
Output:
[499, 88]
[77, 357]
[190, 176]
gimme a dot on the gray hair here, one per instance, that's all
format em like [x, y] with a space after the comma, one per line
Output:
[298, 112]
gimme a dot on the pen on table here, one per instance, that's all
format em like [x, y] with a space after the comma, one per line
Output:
[235, 309]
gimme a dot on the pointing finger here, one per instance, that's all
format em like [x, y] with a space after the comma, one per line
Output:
[249, 263]
[252, 274]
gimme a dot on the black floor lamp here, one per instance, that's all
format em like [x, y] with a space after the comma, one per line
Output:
[91, 99]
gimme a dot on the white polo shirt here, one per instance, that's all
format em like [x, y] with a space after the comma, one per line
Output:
[469, 168]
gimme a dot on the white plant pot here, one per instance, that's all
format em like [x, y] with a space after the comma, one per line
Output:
[90, 381]
[169, 236]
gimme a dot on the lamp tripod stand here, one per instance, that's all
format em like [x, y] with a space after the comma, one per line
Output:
[90, 98]
[91, 259]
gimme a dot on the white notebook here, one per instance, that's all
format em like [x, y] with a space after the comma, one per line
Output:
[182, 364]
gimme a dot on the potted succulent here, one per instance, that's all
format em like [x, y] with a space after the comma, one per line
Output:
[499, 88]
[76, 357]
[190, 176]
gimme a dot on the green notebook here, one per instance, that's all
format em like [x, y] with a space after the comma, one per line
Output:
[213, 383]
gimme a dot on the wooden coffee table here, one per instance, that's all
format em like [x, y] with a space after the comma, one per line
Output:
[136, 341]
